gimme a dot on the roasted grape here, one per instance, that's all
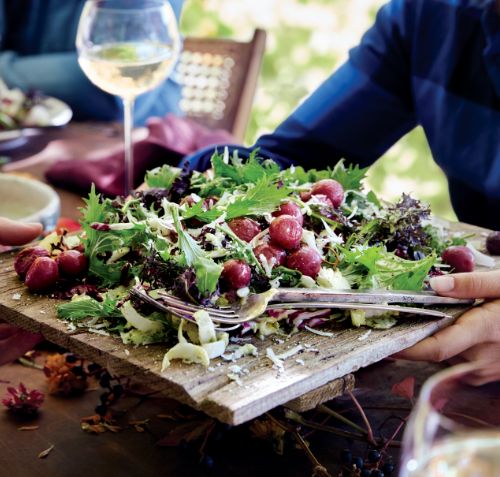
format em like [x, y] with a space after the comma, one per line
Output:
[290, 208]
[72, 263]
[236, 274]
[244, 228]
[493, 243]
[331, 188]
[25, 259]
[42, 274]
[286, 232]
[270, 252]
[460, 258]
[306, 260]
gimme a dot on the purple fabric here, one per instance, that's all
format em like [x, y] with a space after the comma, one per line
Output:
[170, 138]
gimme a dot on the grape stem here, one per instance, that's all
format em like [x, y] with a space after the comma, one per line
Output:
[369, 430]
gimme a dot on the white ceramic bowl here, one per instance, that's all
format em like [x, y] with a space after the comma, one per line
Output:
[28, 200]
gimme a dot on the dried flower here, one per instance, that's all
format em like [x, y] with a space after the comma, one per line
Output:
[65, 374]
[23, 402]
[268, 430]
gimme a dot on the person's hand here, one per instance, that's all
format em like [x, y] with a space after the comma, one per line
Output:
[475, 336]
[17, 233]
[14, 341]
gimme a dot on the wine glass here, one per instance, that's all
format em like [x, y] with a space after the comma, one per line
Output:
[127, 47]
[454, 430]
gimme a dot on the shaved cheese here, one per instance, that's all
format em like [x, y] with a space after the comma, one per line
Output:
[215, 349]
[319, 332]
[117, 254]
[290, 352]
[277, 363]
[188, 353]
[333, 279]
[206, 328]
[138, 321]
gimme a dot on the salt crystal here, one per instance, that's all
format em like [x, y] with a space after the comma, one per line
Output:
[16, 296]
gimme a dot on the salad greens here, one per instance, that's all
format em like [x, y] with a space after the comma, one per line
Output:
[213, 238]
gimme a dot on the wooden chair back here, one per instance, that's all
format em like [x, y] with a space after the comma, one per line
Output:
[218, 79]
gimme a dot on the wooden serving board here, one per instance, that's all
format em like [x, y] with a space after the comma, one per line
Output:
[321, 364]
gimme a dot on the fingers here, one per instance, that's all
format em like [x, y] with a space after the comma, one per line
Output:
[17, 233]
[479, 325]
[468, 285]
[489, 355]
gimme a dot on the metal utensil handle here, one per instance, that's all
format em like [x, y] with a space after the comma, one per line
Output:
[360, 306]
[286, 295]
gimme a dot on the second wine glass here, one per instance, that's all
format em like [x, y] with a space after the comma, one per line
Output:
[126, 48]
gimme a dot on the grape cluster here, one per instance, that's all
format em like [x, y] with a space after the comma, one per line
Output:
[285, 235]
[372, 465]
[113, 389]
[40, 270]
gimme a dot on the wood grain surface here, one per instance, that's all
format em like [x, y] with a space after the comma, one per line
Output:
[322, 360]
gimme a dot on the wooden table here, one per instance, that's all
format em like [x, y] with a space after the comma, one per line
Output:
[133, 454]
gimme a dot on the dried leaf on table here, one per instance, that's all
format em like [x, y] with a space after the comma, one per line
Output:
[405, 388]
[46, 452]
[138, 422]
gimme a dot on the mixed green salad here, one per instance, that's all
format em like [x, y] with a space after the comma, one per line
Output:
[18, 109]
[243, 227]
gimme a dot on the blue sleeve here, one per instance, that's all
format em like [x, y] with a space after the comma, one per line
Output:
[357, 113]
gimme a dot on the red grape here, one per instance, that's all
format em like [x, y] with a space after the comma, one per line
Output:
[460, 258]
[244, 228]
[290, 208]
[305, 196]
[42, 274]
[270, 251]
[493, 243]
[236, 274]
[26, 257]
[72, 263]
[331, 188]
[306, 260]
[286, 232]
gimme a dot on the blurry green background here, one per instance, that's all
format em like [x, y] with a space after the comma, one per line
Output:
[307, 40]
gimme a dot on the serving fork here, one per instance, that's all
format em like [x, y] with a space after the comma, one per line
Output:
[299, 298]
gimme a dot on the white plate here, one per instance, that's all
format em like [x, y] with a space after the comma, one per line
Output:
[60, 114]
[28, 200]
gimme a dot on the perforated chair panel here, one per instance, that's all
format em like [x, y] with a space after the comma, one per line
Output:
[219, 79]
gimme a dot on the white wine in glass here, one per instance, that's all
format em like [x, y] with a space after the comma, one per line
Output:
[454, 430]
[126, 48]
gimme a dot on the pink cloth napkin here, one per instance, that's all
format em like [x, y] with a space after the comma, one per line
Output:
[169, 139]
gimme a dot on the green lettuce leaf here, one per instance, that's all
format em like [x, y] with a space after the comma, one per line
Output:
[162, 177]
[374, 267]
[207, 270]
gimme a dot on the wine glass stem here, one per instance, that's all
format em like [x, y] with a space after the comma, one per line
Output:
[128, 125]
